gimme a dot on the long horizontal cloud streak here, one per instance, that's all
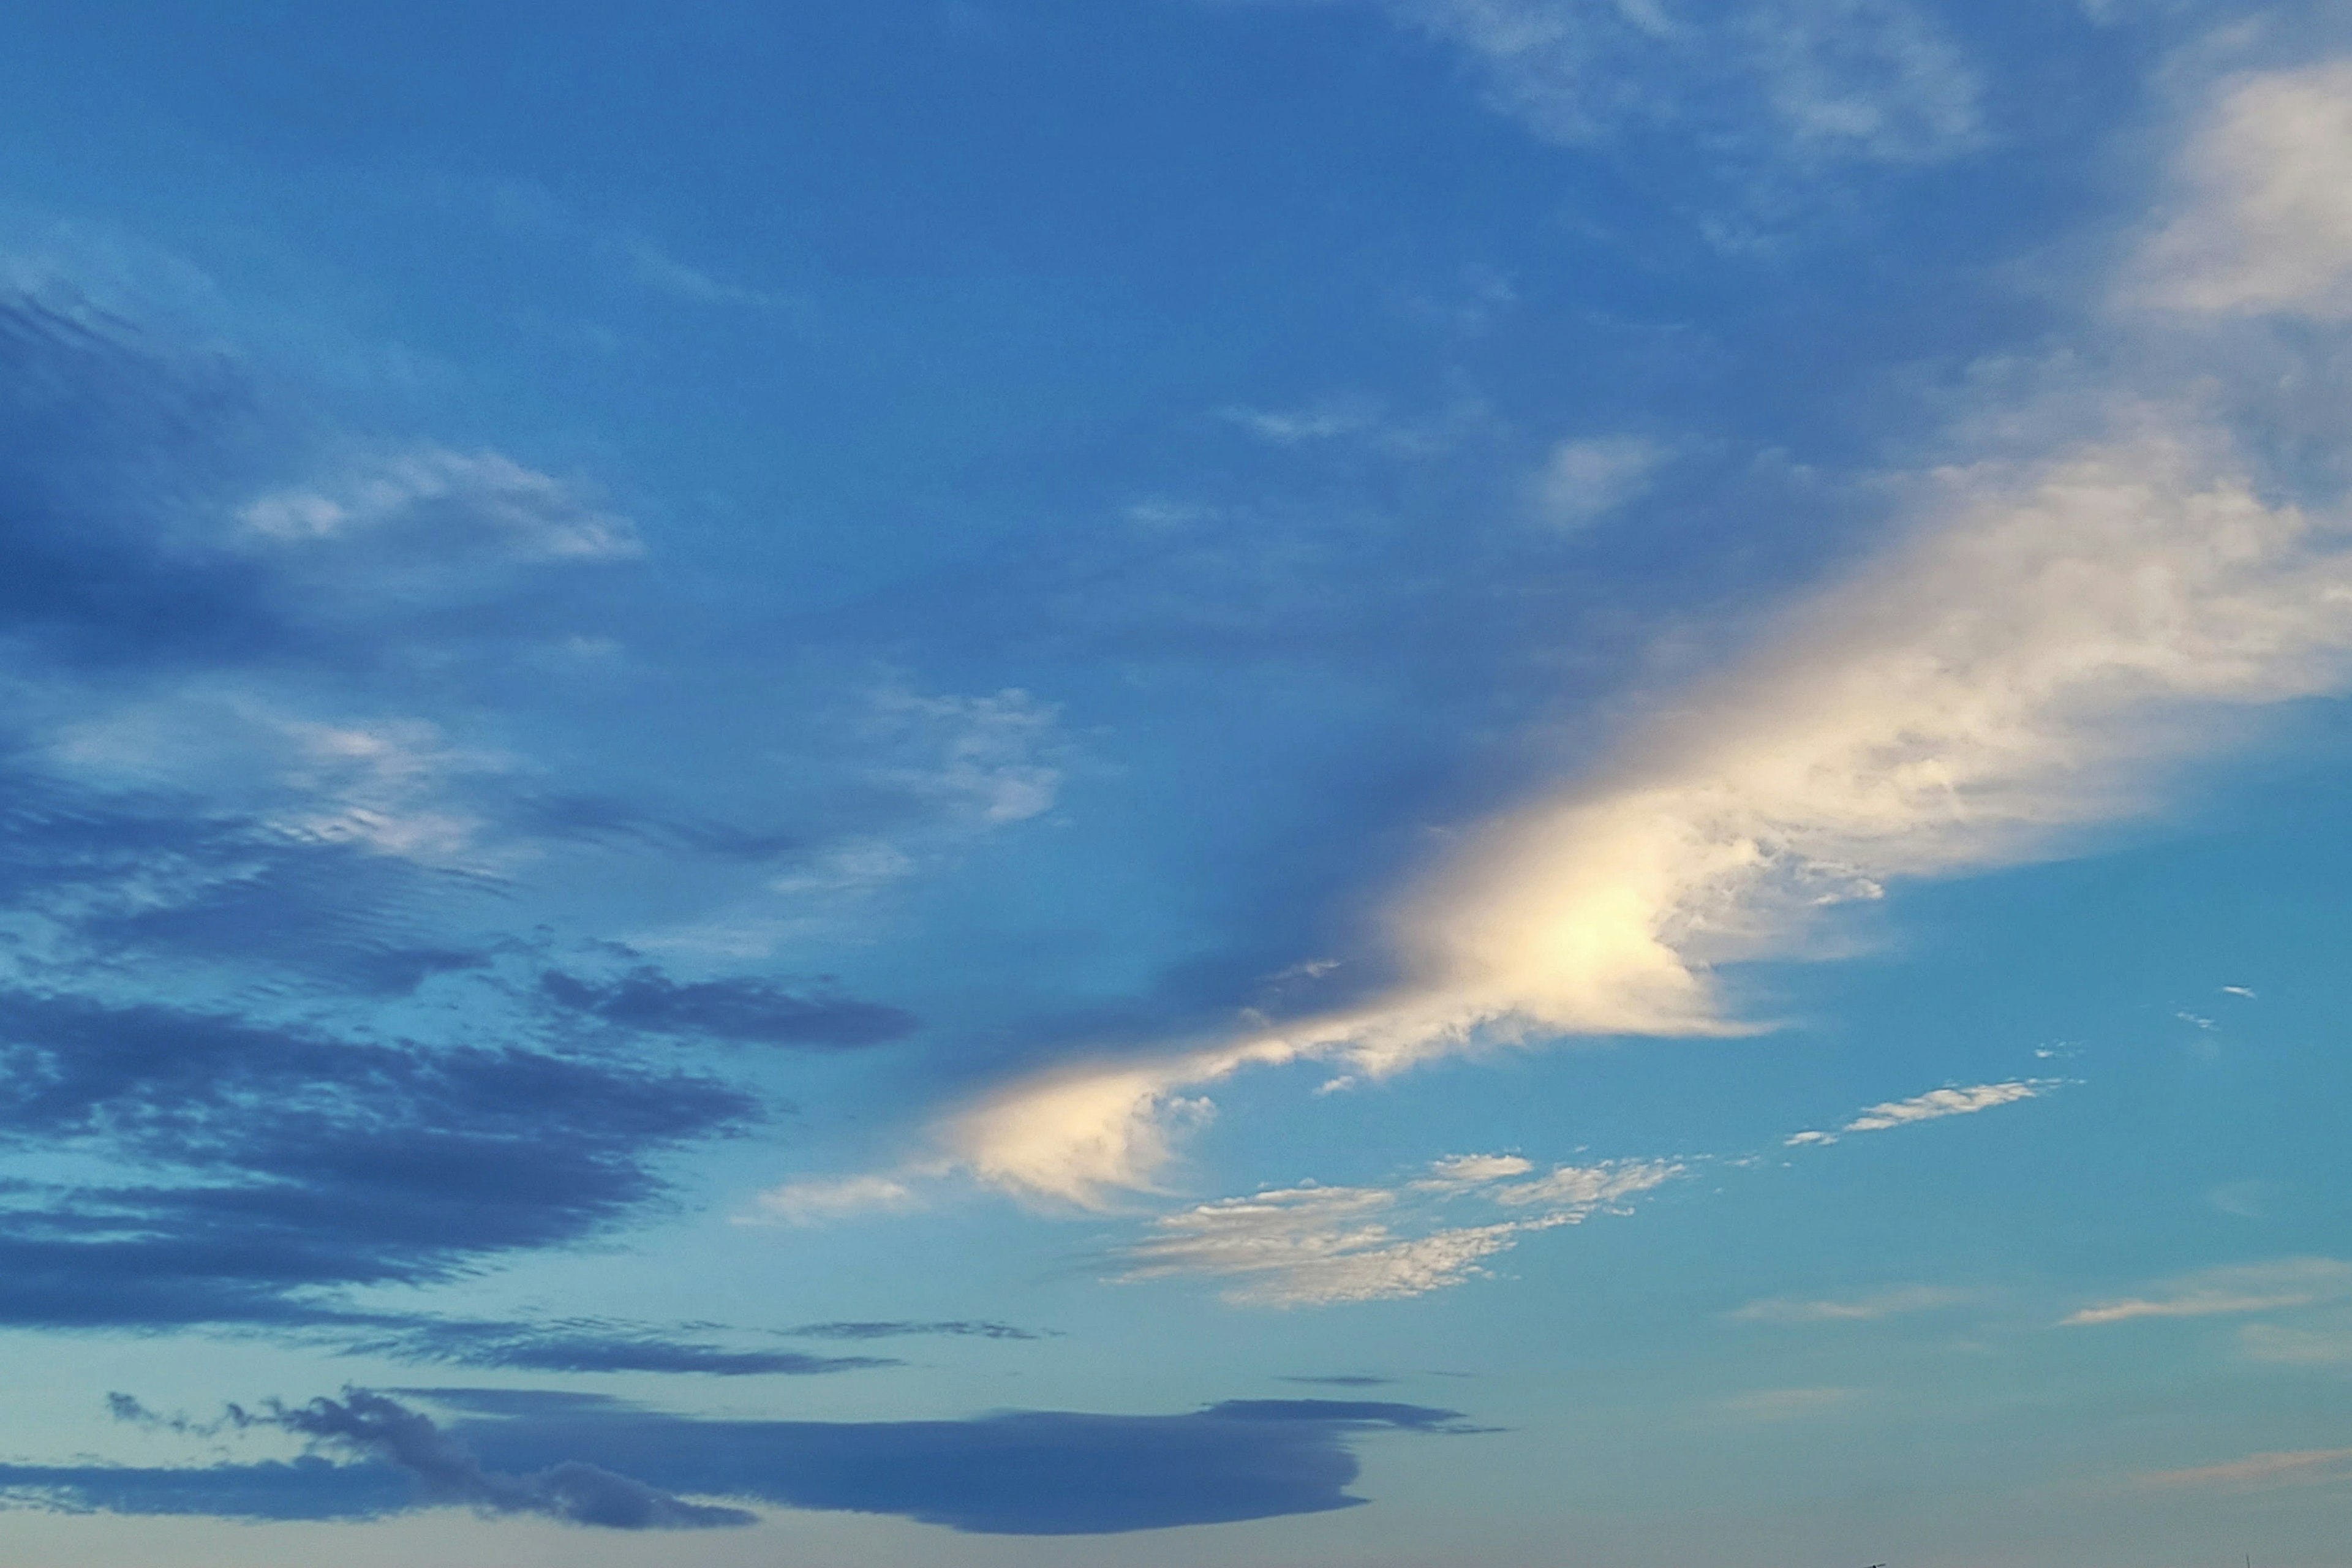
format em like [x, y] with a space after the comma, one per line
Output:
[2011, 671]
[586, 1459]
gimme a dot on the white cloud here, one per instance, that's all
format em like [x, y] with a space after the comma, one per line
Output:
[2266, 223]
[443, 498]
[1463, 1171]
[1312, 1247]
[993, 758]
[1585, 1187]
[2021, 663]
[1867, 1309]
[1866, 79]
[2038, 643]
[1324, 421]
[2301, 1468]
[1316, 1245]
[1586, 479]
[2221, 1292]
[1938, 1104]
[819, 1200]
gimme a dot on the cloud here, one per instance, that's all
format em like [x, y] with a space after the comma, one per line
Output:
[1322, 421]
[1788, 1403]
[1585, 480]
[2265, 224]
[2329, 1345]
[996, 757]
[818, 1200]
[371, 1427]
[251, 1166]
[592, 1346]
[2021, 664]
[432, 501]
[591, 1461]
[961, 1328]
[752, 1011]
[1870, 79]
[1867, 1309]
[2307, 1467]
[2230, 1291]
[1318, 1245]
[1938, 1104]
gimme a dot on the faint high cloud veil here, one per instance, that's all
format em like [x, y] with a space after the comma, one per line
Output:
[2042, 638]
[1875, 79]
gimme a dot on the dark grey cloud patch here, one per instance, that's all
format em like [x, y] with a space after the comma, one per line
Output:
[306, 1488]
[394, 1458]
[599, 1347]
[265, 1164]
[370, 1426]
[747, 1010]
[114, 452]
[593, 1460]
[1343, 1380]
[887, 1329]
[1019, 1473]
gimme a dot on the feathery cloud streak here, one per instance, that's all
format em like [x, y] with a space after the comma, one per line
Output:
[1317, 1246]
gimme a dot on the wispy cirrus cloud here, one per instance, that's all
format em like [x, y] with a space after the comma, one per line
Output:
[2265, 220]
[1934, 1106]
[2229, 1291]
[1318, 1246]
[2304, 1467]
[1873, 80]
[1867, 1309]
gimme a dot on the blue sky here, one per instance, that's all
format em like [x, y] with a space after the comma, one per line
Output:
[1309, 782]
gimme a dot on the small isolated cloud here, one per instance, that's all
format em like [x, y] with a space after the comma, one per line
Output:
[2240, 1288]
[2307, 1467]
[1464, 1171]
[1586, 479]
[2241, 991]
[820, 1200]
[1788, 1403]
[1867, 1309]
[442, 504]
[1317, 1246]
[1933, 1106]
[994, 758]
[1324, 421]
[1937, 1104]
[2267, 222]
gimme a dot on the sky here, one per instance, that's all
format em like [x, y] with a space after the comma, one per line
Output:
[1336, 784]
